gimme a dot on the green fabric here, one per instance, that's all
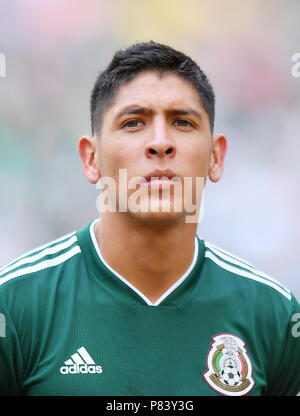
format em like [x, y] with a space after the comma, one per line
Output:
[135, 348]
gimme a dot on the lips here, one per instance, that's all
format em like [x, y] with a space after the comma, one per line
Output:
[157, 175]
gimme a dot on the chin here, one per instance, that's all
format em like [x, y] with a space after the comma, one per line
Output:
[158, 218]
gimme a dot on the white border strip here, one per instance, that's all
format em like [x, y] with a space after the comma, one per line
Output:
[241, 263]
[244, 273]
[182, 278]
[167, 293]
[47, 251]
[221, 250]
[43, 265]
[37, 249]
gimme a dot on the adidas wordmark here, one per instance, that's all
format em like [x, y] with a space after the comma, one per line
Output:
[80, 363]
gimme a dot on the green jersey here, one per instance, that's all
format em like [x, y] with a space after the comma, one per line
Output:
[71, 325]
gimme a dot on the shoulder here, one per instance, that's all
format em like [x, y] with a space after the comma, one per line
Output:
[39, 262]
[243, 274]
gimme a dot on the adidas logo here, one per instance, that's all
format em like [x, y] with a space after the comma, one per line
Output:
[80, 363]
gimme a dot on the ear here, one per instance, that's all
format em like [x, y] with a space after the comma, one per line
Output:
[87, 148]
[219, 149]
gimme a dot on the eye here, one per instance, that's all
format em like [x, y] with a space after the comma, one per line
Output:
[183, 123]
[132, 124]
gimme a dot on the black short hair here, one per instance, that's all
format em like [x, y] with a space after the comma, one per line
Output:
[147, 56]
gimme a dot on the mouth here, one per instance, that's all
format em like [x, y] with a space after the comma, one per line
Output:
[161, 176]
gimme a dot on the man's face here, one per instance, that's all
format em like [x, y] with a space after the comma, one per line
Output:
[156, 126]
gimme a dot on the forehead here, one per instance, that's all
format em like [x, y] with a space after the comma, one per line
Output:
[156, 91]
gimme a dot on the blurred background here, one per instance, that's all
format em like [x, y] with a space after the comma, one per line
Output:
[54, 50]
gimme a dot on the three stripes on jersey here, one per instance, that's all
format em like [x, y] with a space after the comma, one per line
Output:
[62, 249]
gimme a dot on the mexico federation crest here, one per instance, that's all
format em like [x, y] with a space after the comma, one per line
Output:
[229, 369]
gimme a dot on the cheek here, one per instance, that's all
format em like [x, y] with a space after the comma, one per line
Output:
[198, 162]
[113, 158]
[108, 159]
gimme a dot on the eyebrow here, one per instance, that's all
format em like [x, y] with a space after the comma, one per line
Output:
[133, 110]
[144, 110]
[186, 111]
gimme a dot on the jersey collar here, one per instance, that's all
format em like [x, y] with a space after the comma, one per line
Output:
[174, 296]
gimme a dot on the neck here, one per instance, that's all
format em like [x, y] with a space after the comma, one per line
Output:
[152, 257]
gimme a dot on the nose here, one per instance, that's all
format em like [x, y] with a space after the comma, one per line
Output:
[161, 144]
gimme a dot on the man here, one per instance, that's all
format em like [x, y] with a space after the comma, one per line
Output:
[136, 303]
